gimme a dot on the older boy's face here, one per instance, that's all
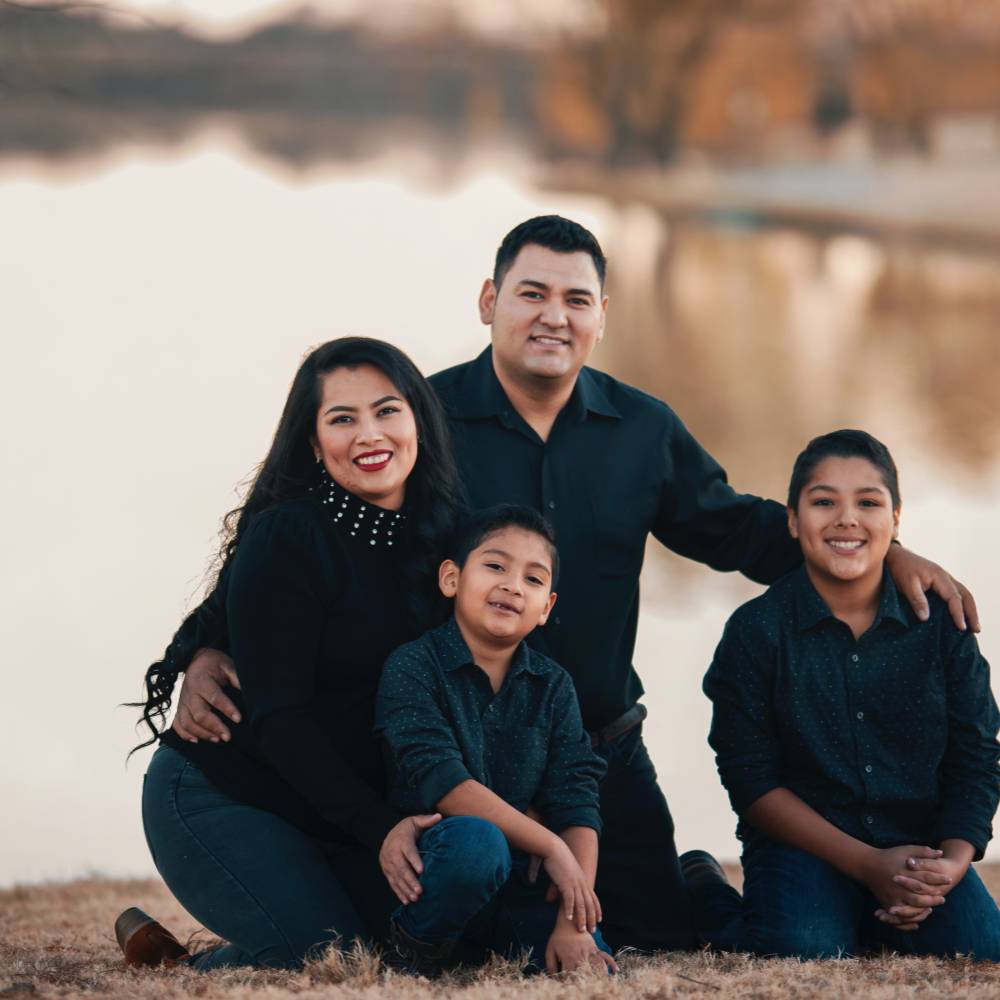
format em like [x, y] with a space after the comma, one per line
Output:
[505, 588]
[845, 520]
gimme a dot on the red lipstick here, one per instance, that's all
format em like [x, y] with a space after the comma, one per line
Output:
[375, 461]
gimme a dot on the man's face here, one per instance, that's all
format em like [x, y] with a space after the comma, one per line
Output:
[546, 316]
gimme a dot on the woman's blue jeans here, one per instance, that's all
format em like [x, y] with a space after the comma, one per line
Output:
[275, 894]
[796, 905]
[476, 893]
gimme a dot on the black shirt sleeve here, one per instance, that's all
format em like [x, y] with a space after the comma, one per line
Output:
[702, 517]
[970, 785]
[743, 735]
[277, 608]
[569, 792]
[410, 717]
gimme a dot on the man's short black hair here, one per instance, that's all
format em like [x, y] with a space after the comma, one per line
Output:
[476, 527]
[554, 233]
[843, 444]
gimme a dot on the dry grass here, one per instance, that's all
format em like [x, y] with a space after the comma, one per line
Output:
[57, 941]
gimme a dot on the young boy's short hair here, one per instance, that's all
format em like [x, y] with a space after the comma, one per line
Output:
[843, 444]
[476, 527]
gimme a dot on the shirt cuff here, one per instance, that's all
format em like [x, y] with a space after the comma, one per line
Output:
[955, 829]
[745, 793]
[560, 819]
[440, 780]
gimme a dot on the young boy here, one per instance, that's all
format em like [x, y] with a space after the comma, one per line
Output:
[486, 731]
[857, 743]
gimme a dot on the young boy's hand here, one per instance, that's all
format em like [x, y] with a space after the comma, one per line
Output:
[580, 904]
[570, 949]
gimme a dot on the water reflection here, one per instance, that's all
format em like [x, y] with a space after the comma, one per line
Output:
[762, 338]
[154, 312]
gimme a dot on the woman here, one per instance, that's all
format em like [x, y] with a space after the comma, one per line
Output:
[272, 839]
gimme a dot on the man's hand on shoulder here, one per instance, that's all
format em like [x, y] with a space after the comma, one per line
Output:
[202, 691]
[914, 575]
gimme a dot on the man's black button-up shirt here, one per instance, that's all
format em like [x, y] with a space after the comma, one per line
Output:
[890, 737]
[444, 725]
[617, 466]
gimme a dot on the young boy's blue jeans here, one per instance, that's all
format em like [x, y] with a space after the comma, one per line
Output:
[477, 893]
[796, 905]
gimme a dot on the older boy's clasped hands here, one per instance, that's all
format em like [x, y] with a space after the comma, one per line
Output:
[926, 878]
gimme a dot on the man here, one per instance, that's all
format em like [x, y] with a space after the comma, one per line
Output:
[607, 465]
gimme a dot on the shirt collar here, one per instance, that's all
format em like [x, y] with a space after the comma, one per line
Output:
[811, 608]
[483, 396]
[454, 653]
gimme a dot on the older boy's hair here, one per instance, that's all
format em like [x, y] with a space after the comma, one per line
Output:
[843, 444]
[476, 527]
[554, 233]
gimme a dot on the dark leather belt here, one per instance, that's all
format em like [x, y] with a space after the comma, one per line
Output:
[620, 726]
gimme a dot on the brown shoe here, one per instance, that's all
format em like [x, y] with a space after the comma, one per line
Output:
[143, 941]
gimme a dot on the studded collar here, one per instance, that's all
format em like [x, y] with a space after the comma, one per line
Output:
[363, 521]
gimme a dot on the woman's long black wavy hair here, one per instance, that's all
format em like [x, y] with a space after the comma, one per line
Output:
[434, 494]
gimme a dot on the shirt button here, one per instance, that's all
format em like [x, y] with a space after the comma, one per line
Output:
[861, 715]
[557, 621]
[869, 820]
[854, 657]
[552, 505]
[868, 769]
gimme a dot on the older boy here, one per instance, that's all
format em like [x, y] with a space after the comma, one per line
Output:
[482, 729]
[858, 832]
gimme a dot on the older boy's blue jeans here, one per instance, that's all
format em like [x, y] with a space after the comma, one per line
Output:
[796, 905]
[476, 892]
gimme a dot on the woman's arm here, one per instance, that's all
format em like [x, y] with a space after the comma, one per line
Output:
[278, 603]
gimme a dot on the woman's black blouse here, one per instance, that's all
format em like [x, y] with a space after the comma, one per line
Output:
[314, 605]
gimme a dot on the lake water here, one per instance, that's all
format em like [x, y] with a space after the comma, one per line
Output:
[154, 309]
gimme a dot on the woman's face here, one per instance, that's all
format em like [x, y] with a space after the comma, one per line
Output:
[366, 434]
[845, 520]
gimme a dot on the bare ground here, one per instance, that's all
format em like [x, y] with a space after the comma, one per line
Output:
[56, 940]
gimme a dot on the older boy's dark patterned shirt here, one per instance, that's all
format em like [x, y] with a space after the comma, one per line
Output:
[444, 725]
[891, 737]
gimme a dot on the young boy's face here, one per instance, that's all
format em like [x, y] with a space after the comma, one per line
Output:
[505, 588]
[845, 520]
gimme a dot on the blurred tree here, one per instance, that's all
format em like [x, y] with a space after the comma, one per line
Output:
[643, 72]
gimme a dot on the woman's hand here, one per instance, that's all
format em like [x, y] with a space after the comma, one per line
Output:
[201, 691]
[570, 949]
[580, 904]
[400, 859]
